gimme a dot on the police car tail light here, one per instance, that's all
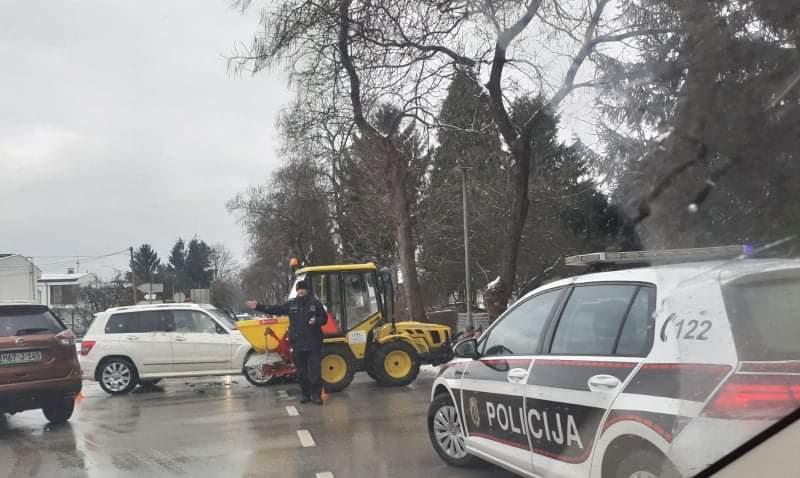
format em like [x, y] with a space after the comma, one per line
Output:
[756, 397]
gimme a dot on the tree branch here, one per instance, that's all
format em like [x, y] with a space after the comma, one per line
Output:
[494, 85]
[347, 62]
[631, 34]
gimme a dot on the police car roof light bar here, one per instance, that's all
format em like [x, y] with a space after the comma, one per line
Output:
[662, 256]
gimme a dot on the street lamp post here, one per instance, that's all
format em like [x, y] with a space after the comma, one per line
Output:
[467, 285]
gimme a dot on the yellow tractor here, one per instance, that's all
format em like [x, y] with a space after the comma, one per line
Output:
[362, 334]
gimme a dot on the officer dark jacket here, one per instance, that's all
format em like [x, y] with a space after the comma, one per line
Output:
[302, 335]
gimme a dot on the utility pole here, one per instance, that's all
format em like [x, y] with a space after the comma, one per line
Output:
[467, 284]
[133, 278]
[34, 285]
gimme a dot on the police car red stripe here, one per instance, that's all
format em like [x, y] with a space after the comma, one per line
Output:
[494, 369]
[789, 366]
[575, 374]
[684, 381]
[665, 425]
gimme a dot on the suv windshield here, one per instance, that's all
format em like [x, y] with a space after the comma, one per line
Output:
[28, 320]
[223, 317]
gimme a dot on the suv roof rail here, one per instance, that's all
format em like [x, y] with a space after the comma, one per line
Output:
[165, 305]
[658, 256]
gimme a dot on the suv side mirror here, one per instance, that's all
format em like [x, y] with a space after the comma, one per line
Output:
[466, 349]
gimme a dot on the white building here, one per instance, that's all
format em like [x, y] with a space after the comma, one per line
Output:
[18, 278]
[63, 290]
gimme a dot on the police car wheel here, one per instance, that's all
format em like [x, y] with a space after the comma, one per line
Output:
[447, 434]
[645, 464]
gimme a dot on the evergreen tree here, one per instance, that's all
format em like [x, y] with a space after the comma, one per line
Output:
[144, 263]
[176, 278]
[198, 262]
[708, 122]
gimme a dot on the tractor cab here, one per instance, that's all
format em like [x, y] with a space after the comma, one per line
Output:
[351, 295]
[356, 297]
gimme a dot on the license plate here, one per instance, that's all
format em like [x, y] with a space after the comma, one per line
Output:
[12, 358]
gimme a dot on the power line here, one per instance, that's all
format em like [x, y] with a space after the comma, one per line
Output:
[62, 262]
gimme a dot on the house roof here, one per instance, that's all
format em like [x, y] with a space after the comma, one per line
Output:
[55, 277]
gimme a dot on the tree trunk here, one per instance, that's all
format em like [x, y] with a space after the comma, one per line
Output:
[406, 245]
[408, 263]
[501, 294]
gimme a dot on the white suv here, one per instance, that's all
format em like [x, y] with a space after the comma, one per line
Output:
[143, 344]
[646, 372]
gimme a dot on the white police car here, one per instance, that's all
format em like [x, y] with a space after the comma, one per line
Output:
[647, 372]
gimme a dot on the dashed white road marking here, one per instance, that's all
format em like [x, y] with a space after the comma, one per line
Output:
[292, 411]
[283, 394]
[305, 438]
[325, 474]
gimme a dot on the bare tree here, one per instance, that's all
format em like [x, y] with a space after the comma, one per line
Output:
[584, 27]
[344, 66]
[353, 56]
[222, 261]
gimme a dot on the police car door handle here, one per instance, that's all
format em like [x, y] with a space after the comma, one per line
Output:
[517, 375]
[603, 383]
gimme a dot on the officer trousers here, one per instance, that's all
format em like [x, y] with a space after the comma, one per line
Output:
[309, 373]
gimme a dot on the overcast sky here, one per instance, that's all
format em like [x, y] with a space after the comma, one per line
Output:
[119, 125]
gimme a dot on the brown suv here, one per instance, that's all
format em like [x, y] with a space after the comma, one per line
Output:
[38, 362]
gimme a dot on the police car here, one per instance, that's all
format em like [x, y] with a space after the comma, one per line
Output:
[650, 371]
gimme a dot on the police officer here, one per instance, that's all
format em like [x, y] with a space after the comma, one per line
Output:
[306, 318]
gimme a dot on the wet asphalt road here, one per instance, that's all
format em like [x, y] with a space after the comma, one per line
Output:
[203, 427]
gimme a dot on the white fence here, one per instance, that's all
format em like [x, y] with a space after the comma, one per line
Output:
[481, 321]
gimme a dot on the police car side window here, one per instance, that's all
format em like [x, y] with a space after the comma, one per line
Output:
[520, 330]
[592, 319]
[637, 332]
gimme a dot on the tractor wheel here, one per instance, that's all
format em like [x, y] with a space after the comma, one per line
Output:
[371, 373]
[338, 367]
[396, 364]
